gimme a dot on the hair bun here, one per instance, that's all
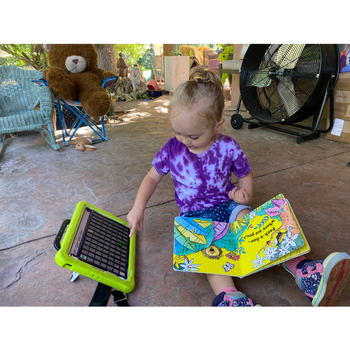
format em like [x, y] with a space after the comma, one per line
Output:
[203, 89]
[204, 76]
[202, 81]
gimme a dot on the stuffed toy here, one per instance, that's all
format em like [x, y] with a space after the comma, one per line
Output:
[82, 144]
[73, 75]
[191, 50]
[201, 49]
[84, 140]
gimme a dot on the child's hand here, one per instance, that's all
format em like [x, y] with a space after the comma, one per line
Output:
[240, 196]
[134, 219]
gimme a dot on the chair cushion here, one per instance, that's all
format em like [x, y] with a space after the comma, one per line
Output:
[213, 56]
[214, 65]
[232, 64]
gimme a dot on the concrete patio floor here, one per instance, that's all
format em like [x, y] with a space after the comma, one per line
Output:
[40, 187]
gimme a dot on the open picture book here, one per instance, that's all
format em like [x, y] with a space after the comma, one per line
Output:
[267, 236]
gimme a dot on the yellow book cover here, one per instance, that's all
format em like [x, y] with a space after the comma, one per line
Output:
[267, 236]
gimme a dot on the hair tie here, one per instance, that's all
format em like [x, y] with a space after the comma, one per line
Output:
[202, 81]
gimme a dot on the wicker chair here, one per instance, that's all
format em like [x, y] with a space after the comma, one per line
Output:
[24, 105]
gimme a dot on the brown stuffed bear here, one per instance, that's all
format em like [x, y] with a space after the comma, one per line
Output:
[83, 140]
[73, 75]
[82, 144]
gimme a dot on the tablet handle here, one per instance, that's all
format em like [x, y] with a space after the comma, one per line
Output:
[57, 241]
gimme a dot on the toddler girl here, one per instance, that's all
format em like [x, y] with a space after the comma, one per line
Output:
[200, 161]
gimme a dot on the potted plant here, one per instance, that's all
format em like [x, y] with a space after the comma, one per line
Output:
[227, 54]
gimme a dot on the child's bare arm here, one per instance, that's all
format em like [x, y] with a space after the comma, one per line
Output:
[146, 190]
[243, 193]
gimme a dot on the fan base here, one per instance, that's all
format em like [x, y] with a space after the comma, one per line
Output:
[301, 137]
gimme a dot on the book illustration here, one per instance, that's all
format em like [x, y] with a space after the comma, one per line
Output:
[191, 234]
[188, 265]
[228, 266]
[268, 235]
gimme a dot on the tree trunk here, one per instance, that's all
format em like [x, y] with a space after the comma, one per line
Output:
[106, 57]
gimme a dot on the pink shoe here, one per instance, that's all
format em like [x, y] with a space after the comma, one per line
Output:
[232, 298]
[323, 280]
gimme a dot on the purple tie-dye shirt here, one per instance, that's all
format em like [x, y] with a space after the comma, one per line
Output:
[202, 181]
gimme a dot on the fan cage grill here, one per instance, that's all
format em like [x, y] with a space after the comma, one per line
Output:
[298, 79]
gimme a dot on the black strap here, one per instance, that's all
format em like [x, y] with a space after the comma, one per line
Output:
[103, 293]
[119, 298]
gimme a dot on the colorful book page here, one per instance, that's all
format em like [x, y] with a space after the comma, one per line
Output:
[265, 237]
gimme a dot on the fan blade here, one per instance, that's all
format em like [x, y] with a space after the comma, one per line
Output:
[287, 56]
[259, 78]
[286, 91]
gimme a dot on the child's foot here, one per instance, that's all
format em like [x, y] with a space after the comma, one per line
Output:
[232, 298]
[323, 280]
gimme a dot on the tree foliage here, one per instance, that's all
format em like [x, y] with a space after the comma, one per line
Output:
[131, 52]
[33, 55]
[147, 59]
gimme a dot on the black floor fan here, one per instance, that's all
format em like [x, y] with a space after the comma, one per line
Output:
[286, 84]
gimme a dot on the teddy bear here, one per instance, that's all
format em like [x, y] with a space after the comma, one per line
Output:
[82, 144]
[78, 139]
[191, 50]
[74, 75]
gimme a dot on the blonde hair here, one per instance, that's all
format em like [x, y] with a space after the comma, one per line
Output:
[205, 89]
